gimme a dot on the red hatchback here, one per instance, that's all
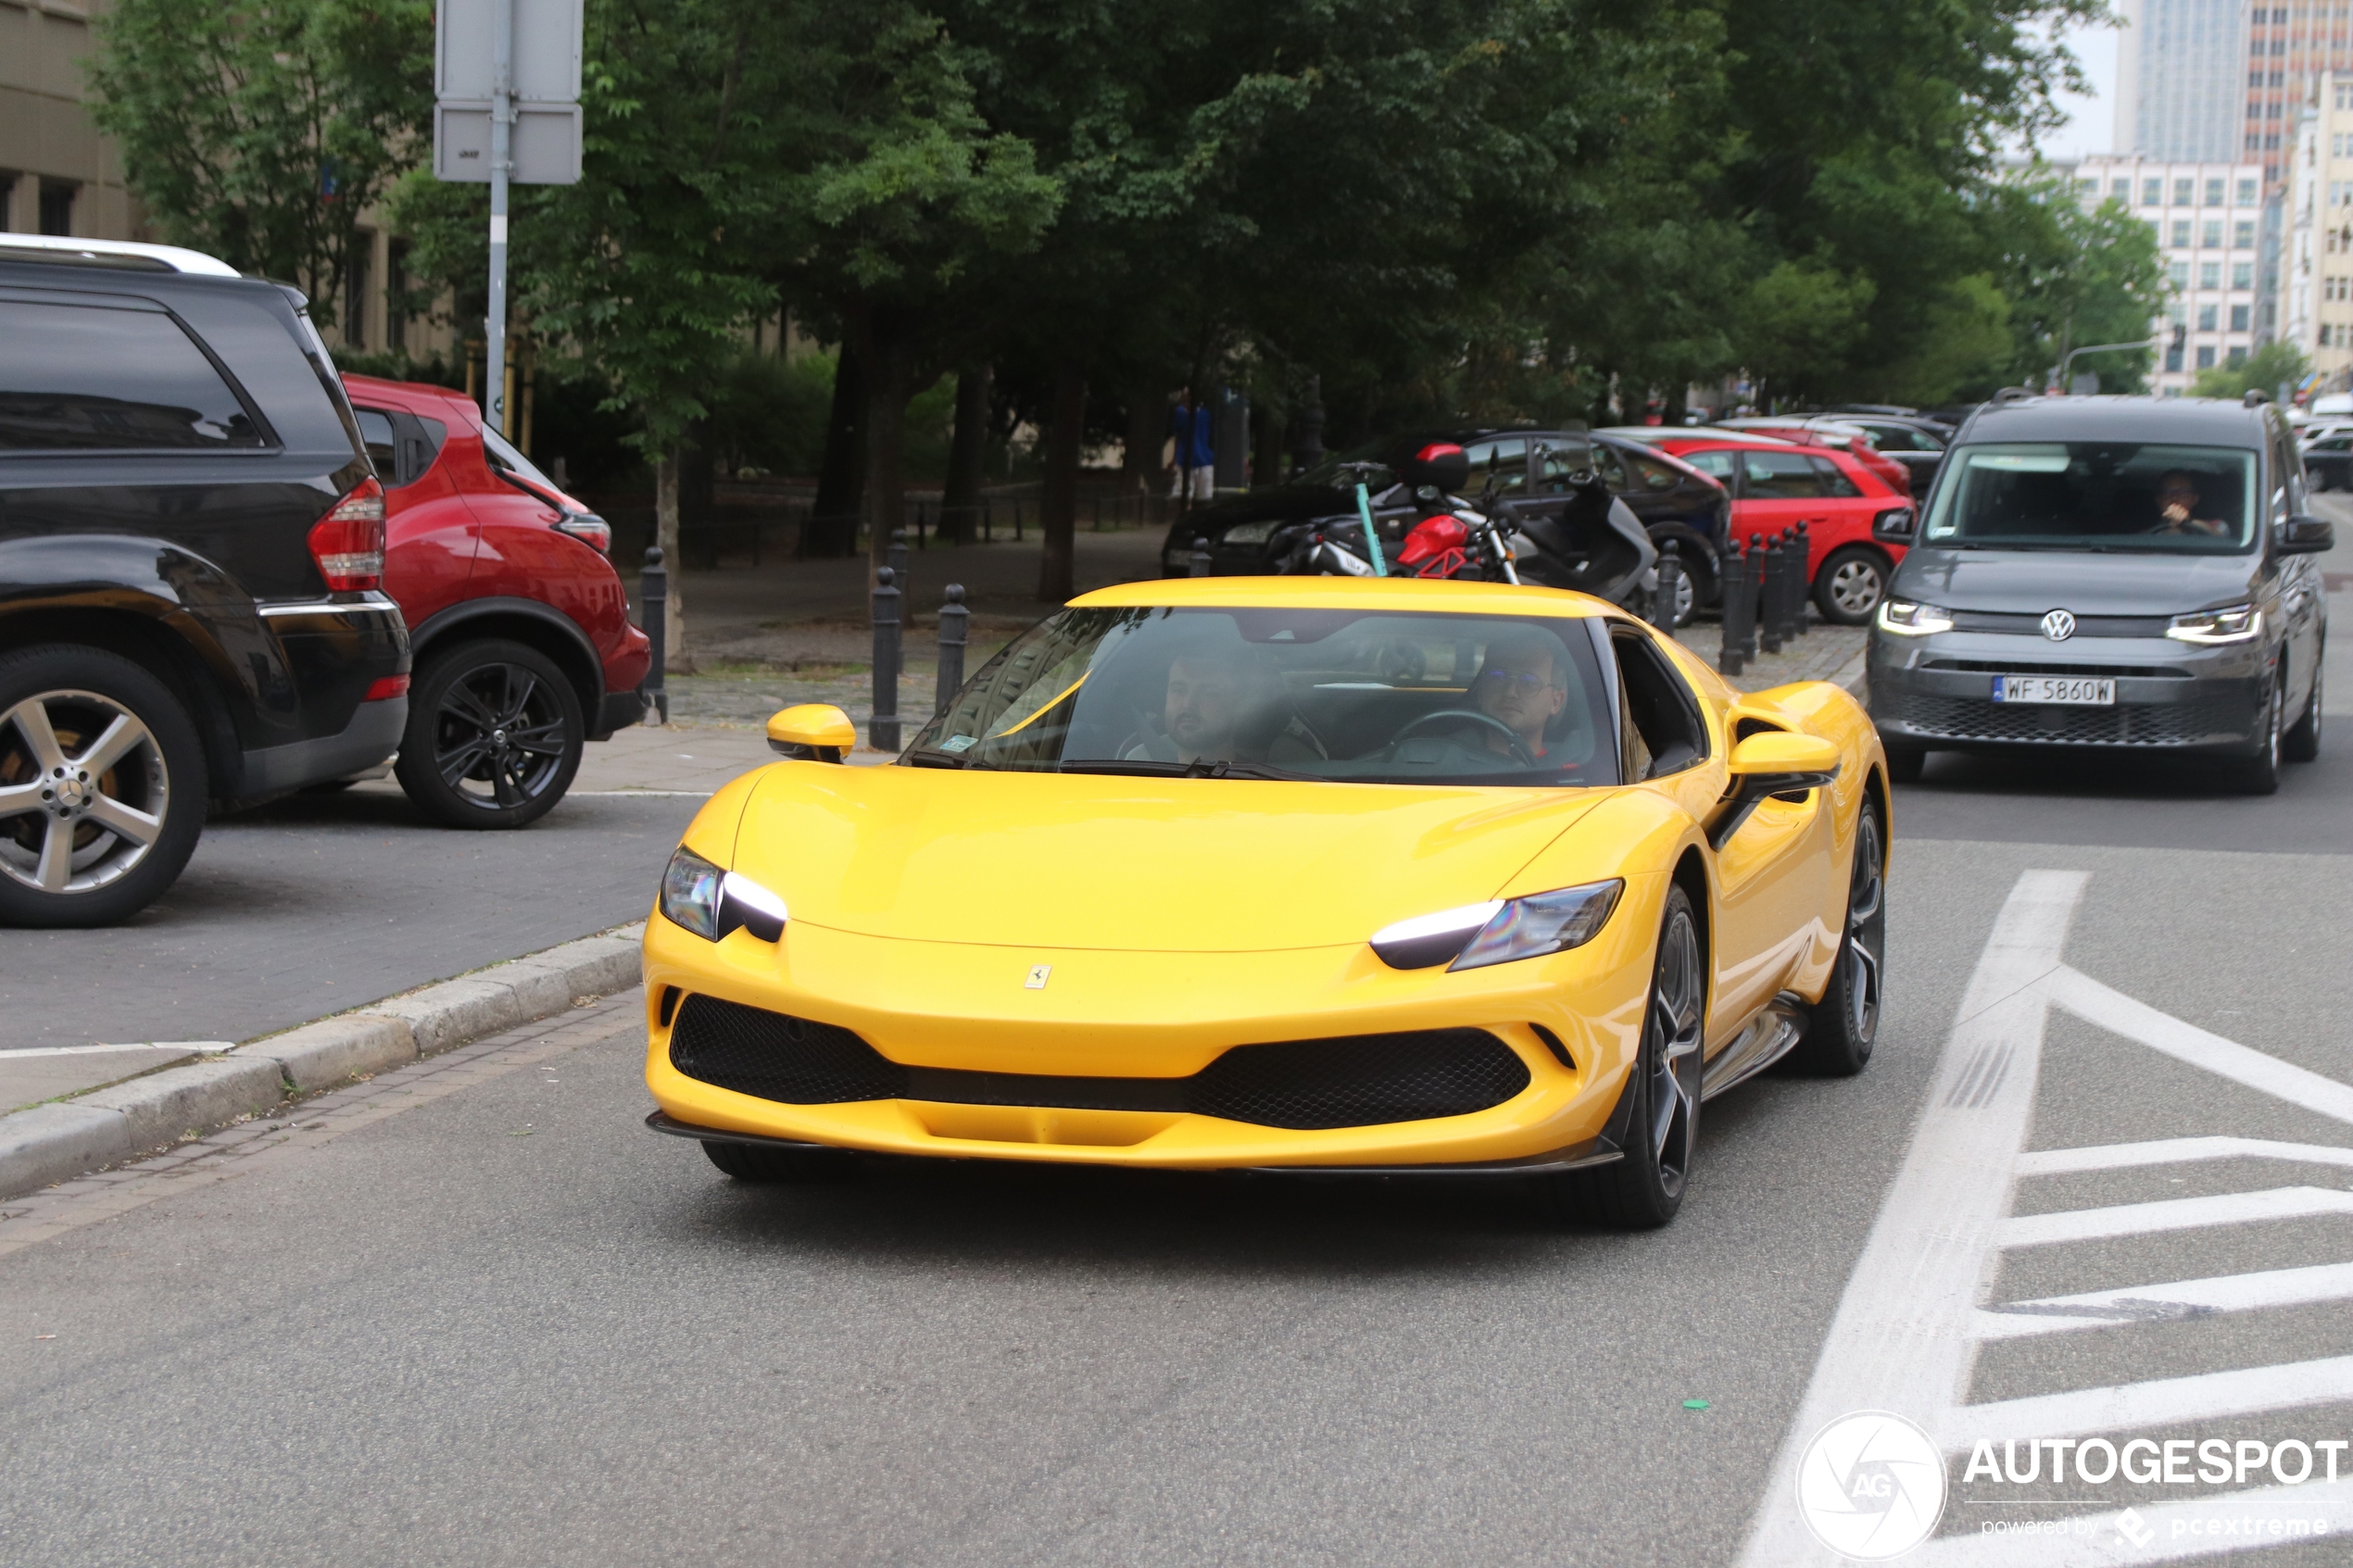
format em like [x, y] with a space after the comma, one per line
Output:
[1776, 484]
[519, 625]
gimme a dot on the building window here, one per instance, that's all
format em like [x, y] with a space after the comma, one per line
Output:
[2173, 358]
[2209, 274]
[2243, 236]
[2247, 192]
[2214, 192]
[2270, 145]
[2206, 318]
[2209, 235]
[2182, 192]
[2236, 357]
[2238, 318]
[2253, 141]
[2121, 190]
[2152, 193]
[56, 207]
[2242, 274]
[2177, 274]
[2206, 357]
[2180, 234]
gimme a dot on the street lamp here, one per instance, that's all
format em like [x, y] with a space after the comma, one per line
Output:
[2059, 371]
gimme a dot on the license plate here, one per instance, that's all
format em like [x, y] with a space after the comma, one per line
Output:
[2066, 691]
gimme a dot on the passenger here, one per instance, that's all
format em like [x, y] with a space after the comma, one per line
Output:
[1522, 684]
[1214, 700]
[2177, 503]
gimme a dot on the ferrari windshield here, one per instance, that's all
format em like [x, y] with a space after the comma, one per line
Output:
[1261, 693]
[2098, 495]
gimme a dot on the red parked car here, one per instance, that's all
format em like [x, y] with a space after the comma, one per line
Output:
[1776, 484]
[518, 623]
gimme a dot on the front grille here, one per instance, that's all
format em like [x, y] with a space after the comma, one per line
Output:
[2068, 671]
[775, 1056]
[1351, 1081]
[2086, 625]
[2179, 723]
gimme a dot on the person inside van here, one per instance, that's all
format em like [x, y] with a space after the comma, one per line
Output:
[2177, 504]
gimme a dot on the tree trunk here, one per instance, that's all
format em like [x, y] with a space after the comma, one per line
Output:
[1057, 510]
[1266, 447]
[698, 491]
[967, 450]
[673, 653]
[887, 377]
[1679, 401]
[841, 480]
[1147, 433]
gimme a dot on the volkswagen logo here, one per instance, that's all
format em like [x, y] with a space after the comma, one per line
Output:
[2058, 625]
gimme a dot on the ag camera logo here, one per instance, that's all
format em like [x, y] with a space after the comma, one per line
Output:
[1871, 1486]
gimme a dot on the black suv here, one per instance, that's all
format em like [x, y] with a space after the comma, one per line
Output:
[2131, 573]
[190, 569]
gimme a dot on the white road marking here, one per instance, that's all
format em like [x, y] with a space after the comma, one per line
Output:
[185, 1047]
[1908, 1326]
[2167, 1302]
[2175, 1151]
[2165, 1401]
[2173, 1214]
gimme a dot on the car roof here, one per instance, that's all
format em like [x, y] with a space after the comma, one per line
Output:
[1402, 595]
[52, 250]
[1755, 440]
[2186, 419]
[396, 391]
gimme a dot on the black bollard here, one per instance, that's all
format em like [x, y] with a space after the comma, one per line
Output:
[653, 619]
[1731, 573]
[882, 732]
[896, 558]
[1801, 580]
[954, 621]
[1669, 597]
[1200, 564]
[1769, 620]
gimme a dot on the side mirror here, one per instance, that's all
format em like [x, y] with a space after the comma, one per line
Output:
[813, 732]
[2302, 536]
[1781, 753]
[1896, 526]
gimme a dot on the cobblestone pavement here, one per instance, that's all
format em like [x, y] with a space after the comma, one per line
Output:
[1824, 653]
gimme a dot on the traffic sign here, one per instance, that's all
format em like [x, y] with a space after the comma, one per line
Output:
[545, 149]
[547, 51]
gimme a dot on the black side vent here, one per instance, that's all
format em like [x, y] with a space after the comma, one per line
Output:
[779, 1057]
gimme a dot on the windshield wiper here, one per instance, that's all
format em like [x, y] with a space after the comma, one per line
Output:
[1144, 767]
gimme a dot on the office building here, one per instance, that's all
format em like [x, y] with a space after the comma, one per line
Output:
[2179, 81]
[2211, 224]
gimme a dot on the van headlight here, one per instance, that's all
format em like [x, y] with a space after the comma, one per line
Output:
[2239, 623]
[1911, 619]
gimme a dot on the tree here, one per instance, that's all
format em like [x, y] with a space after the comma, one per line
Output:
[259, 132]
[2072, 279]
[2264, 370]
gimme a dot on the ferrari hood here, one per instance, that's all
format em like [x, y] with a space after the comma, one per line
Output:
[1163, 865]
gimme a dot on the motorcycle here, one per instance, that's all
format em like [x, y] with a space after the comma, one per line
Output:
[1564, 531]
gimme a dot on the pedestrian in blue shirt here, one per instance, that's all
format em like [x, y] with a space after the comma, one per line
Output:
[1196, 458]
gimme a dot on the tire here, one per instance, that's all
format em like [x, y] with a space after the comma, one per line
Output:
[1905, 762]
[2259, 774]
[1845, 1023]
[494, 736]
[750, 1163]
[1850, 584]
[2302, 742]
[78, 849]
[1644, 1190]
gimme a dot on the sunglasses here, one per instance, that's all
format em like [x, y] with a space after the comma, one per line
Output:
[1524, 680]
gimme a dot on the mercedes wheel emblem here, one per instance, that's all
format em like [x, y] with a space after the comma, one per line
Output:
[2058, 625]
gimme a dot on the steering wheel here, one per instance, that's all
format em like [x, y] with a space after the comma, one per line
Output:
[1520, 753]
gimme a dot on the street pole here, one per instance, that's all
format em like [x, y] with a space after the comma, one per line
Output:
[502, 135]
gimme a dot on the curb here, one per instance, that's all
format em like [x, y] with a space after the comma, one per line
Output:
[52, 1143]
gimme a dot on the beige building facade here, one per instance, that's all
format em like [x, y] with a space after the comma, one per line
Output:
[60, 176]
[2317, 270]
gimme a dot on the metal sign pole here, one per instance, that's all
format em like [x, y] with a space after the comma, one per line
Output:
[502, 131]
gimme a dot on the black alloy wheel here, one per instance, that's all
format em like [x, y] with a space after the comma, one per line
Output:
[101, 788]
[2302, 743]
[1845, 1023]
[494, 736]
[1848, 588]
[1644, 1190]
[750, 1163]
[2259, 774]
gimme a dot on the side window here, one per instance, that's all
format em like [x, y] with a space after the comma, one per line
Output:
[383, 445]
[84, 378]
[1502, 464]
[1834, 480]
[1613, 471]
[1898, 438]
[1782, 476]
[1716, 465]
[1660, 710]
[1656, 475]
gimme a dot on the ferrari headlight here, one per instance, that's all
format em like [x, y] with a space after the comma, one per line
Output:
[1543, 923]
[1911, 619]
[711, 902]
[2239, 623]
[1497, 932]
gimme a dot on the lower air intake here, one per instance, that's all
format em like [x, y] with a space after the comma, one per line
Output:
[1353, 1081]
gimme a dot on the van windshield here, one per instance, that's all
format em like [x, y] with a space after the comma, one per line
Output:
[2098, 495]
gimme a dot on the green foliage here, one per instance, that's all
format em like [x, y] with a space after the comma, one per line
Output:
[2074, 278]
[768, 413]
[259, 132]
[2263, 370]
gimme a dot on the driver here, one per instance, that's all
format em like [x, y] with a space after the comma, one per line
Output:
[2177, 503]
[1522, 684]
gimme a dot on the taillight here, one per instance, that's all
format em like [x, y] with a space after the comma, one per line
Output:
[589, 529]
[385, 687]
[348, 543]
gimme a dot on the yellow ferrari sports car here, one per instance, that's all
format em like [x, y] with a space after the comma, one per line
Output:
[1298, 874]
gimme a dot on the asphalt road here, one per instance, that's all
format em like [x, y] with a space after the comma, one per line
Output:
[318, 903]
[473, 1312]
